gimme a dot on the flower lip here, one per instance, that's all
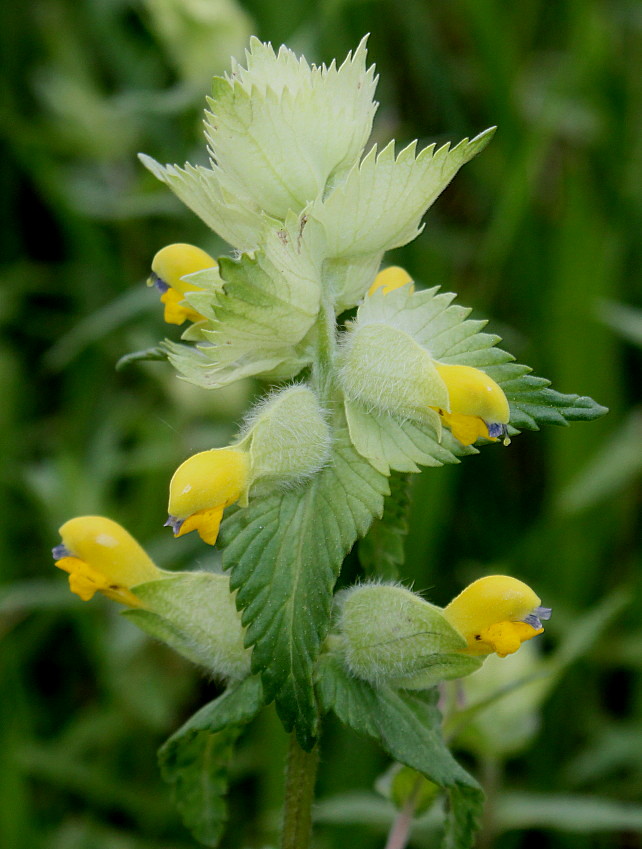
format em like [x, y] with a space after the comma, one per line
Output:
[496, 429]
[534, 618]
[60, 551]
[174, 523]
[158, 283]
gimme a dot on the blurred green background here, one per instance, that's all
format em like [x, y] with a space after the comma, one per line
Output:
[541, 234]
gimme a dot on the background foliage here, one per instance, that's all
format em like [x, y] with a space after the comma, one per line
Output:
[541, 234]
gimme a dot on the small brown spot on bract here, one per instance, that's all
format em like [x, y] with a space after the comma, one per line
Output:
[304, 221]
[283, 236]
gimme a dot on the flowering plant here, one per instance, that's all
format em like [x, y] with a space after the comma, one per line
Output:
[370, 378]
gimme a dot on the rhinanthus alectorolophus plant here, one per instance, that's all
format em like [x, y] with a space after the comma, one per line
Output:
[357, 400]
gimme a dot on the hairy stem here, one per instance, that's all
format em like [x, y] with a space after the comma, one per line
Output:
[301, 771]
[326, 345]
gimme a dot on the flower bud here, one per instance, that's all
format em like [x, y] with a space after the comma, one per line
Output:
[477, 405]
[101, 556]
[385, 369]
[392, 635]
[202, 487]
[195, 613]
[391, 278]
[169, 268]
[496, 614]
[287, 436]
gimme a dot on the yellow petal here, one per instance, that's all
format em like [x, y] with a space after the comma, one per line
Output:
[174, 262]
[473, 393]
[111, 556]
[206, 522]
[390, 279]
[504, 638]
[207, 480]
[177, 310]
[85, 581]
[488, 603]
[467, 429]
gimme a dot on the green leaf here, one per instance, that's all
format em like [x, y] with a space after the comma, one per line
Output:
[284, 553]
[258, 318]
[381, 551]
[238, 705]
[389, 442]
[534, 403]
[148, 355]
[236, 219]
[445, 331]
[382, 201]
[195, 759]
[408, 727]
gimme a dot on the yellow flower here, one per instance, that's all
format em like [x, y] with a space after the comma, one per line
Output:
[389, 279]
[496, 614]
[101, 556]
[478, 406]
[202, 487]
[170, 265]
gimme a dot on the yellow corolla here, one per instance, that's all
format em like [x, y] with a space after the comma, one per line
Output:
[496, 614]
[202, 487]
[389, 279]
[101, 556]
[170, 265]
[478, 406]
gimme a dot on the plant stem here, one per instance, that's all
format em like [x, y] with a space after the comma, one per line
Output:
[326, 345]
[491, 782]
[300, 776]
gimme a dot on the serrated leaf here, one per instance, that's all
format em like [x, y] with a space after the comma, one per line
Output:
[236, 219]
[381, 551]
[408, 727]
[258, 319]
[238, 705]
[284, 553]
[195, 759]
[444, 329]
[380, 204]
[281, 129]
[404, 444]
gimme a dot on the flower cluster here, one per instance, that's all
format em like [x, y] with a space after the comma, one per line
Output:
[404, 380]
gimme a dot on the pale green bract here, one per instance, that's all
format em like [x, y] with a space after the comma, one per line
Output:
[257, 319]
[268, 131]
